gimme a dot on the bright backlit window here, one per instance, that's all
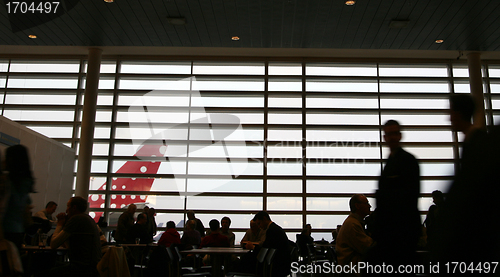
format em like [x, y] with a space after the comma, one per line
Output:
[225, 139]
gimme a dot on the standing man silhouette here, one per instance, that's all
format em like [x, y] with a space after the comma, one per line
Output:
[396, 227]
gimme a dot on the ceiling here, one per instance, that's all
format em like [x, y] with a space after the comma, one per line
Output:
[464, 25]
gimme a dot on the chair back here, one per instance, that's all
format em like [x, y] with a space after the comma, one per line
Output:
[268, 266]
[173, 261]
[270, 256]
[180, 268]
[331, 255]
[294, 254]
[262, 255]
[178, 254]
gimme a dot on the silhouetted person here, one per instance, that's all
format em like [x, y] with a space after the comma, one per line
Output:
[152, 226]
[46, 213]
[139, 231]
[225, 222]
[199, 224]
[275, 238]
[254, 234]
[125, 222]
[335, 233]
[396, 225]
[352, 241]
[462, 109]
[304, 240]
[432, 216]
[19, 185]
[170, 236]
[215, 239]
[191, 237]
[224, 229]
[80, 233]
[470, 206]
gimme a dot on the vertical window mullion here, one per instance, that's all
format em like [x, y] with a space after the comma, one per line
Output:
[111, 143]
[456, 144]
[487, 95]
[266, 129]
[304, 147]
[6, 85]
[379, 118]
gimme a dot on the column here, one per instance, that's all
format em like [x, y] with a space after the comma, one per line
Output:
[476, 87]
[88, 122]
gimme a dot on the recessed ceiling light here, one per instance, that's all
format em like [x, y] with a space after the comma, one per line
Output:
[439, 41]
[32, 36]
[350, 2]
[109, 1]
[235, 38]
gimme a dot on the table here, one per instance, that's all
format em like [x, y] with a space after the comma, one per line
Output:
[323, 245]
[52, 255]
[140, 244]
[244, 243]
[218, 255]
[32, 248]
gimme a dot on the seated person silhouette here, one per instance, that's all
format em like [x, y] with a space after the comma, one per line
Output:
[170, 236]
[79, 232]
[139, 231]
[304, 240]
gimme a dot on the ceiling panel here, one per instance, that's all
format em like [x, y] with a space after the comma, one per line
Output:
[299, 21]
[320, 29]
[481, 20]
[206, 28]
[244, 23]
[157, 14]
[329, 24]
[254, 12]
[419, 16]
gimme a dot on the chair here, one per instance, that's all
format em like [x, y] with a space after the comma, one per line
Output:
[181, 261]
[268, 267]
[172, 262]
[261, 257]
[175, 268]
[313, 254]
[294, 253]
[315, 258]
[331, 255]
[137, 255]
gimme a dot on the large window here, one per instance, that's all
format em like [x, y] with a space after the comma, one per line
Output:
[493, 103]
[232, 138]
